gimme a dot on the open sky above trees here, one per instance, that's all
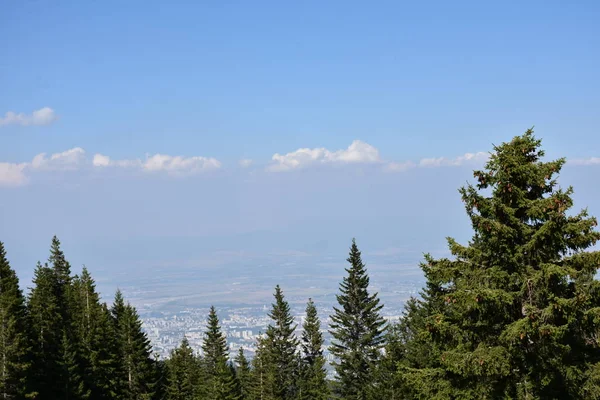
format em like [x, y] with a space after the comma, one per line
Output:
[138, 129]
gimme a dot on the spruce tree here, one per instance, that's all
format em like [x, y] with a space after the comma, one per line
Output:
[263, 373]
[93, 331]
[73, 379]
[137, 378]
[46, 334]
[515, 313]
[183, 373]
[313, 376]
[243, 374]
[387, 384]
[358, 331]
[281, 347]
[104, 357]
[220, 384]
[70, 384]
[14, 343]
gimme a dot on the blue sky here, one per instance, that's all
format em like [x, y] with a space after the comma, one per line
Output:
[150, 107]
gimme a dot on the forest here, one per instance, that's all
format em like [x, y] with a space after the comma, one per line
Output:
[512, 314]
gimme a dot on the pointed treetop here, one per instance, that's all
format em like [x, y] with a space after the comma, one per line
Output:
[57, 259]
[312, 339]
[214, 344]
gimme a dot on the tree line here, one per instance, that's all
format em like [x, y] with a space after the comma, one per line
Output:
[513, 314]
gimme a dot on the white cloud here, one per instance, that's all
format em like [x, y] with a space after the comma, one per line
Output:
[179, 164]
[43, 116]
[67, 160]
[585, 161]
[161, 162]
[12, 174]
[361, 152]
[357, 152]
[245, 162]
[101, 160]
[467, 158]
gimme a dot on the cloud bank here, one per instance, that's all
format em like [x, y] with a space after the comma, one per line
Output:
[16, 174]
[43, 116]
[177, 165]
[358, 152]
[67, 160]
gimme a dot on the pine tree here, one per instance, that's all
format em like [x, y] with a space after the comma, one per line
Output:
[137, 377]
[183, 373]
[520, 310]
[46, 334]
[73, 380]
[281, 348]
[93, 331]
[60, 265]
[14, 344]
[243, 374]
[221, 384]
[104, 357]
[263, 373]
[69, 382]
[387, 384]
[358, 331]
[313, 377]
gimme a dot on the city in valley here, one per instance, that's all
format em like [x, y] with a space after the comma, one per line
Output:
[243, 304]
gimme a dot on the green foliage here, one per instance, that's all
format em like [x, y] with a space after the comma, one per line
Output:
[312, 384]
[263, 374]
[103, 357]
[94, 333]
[184, 372]
[137, 377]
[514, 314]
[45, 333]
[358, 331]
[220, 383]
[280, 348]
[243, 375]
[14, 343]
[387, 385]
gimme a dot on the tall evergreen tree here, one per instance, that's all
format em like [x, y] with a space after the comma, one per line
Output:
[137, 377]
[220, 384]
[60, 265]
[520, 310]
[263, 373]
[358, 331]
[57, 348]
[92, 329]
[243, 374]
[387, 384]
[183, 373]
[46, 334]
[104, 357]
[313, 377]
[14, 343]
[72, 374]
[281, 347]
